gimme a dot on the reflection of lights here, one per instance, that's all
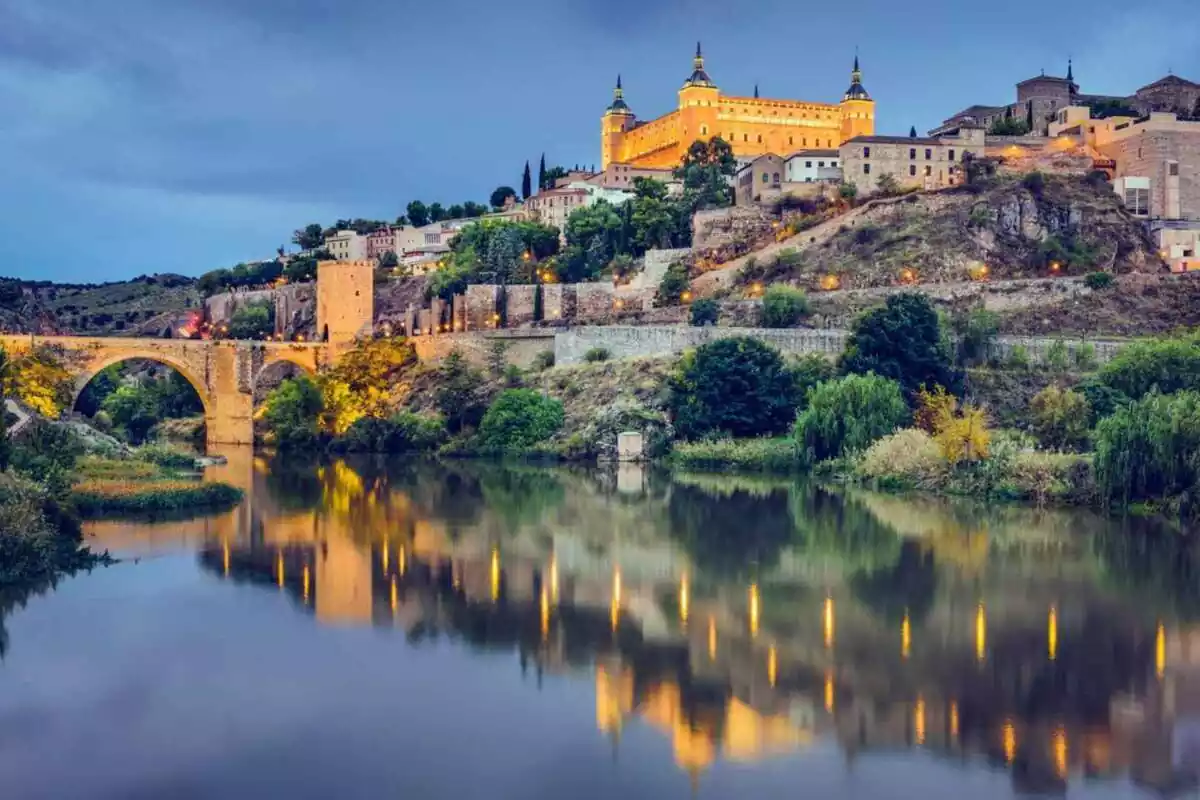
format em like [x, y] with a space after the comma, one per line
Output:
[544, 603]
[383, 557]
[306, 580]
[683, 599]
[1160, 651]
[1060, 752]
[395, 595]
[753, 609]
[1052, 634]
[905, 636]
[772, 665]
[1010, 741]
[828, 621]
[615, 610]
[712, 639]
[402, 561]
[919, 720]
[554, 579]
[225, 558]
[953, 719]
[495, 575]
[279, 569]
[829, 691]
[980, 633]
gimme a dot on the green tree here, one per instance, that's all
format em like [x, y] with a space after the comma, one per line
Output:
[436, 212]
[735, 387]
[526, 183]
[389, 260]
[133, 410]
[902, 341]
[593, 235]
[252, 321]
[471, 209]
[301, 269]
[418, 214]
[705, 312]
[520, 419]
[292, 413]
[848, 414]
[1149, 450]
[1170, 365]
[912, 132]
[459, 395]
[705, 170]
[501, 194]
[1060, 418]
[455, 211]
[310, 237]
[674, 283]
[976, 331]
[783, 306]
[553, 174]
[542, 172]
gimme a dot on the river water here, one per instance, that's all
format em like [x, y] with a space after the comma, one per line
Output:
[372, 628]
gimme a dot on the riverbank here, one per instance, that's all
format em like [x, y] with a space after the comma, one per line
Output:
[159, 482]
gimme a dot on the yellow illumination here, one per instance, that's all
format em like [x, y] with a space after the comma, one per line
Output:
[402, 561]
[1061, 752]
[383, 557]
[754, 609]
[225, 557]
[395, 595]
[712, 639]
[953, 719]
[615, 610]
[279, 569]
[1052, 634]
[683, 600]
[1010, 741]
[919, 720]
[828, 621]
[495, 575]
[905, 636]
[829, 691]
[772, 665]
[554, 580]
[544, 602]
[1160, 651]
[306, 579]
[980, 633]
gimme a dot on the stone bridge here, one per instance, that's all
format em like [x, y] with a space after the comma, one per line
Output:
[223, 373]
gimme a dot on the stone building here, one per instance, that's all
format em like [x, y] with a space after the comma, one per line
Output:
[622, 176]
[758, 180]
[753, 126]
[810, 166]
[346, 246]
[345, 300]
[922, 163]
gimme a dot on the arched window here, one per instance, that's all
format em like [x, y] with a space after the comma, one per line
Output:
[760, 138]
[775, 178]
[764, 177]
[704, 130]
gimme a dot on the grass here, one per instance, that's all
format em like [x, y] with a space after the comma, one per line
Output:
[748, 455]
[96, 497]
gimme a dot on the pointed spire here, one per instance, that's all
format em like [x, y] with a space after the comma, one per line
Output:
[756, 91]
[856, 91]
[1070, 70]
[618, 104]
[698, 53]
[699, 76]
[618, 81]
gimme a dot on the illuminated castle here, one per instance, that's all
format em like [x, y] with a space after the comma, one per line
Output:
[752, 125]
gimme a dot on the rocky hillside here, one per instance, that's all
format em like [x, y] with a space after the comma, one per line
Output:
[142, 306]
[1011, 228]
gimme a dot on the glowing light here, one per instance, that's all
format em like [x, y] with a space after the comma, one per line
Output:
[683, 600]
[306, 581]
[225, 558]
[712, 639]
[953, 719]
[919, 720]
[1055, 266]
[907, 275]
[395, 595]
[1061, 752]
[1052, 634]
[754, 610]
[828, 621]
[1010, 741]
[756, 288]
[544, 604]
[383, 557]
[772, 665]
[1160, 651]
[554, 580]
[455, 577]
[829, 691]
[905, 636]
[495, 575]
[615, 610]
[686, 297]
[980, 633]
[279, 569]
[402, 560]
[830, 282]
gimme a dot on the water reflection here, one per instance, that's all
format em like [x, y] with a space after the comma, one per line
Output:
[745, 619]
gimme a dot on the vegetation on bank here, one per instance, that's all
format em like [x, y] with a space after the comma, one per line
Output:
[155, 494]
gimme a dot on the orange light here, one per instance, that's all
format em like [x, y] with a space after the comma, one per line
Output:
[830, 282]
[685, 297]
[684, 600]
[827, 620]
[907, 275]
[712, 639]
[754, 609]
[772, 665]
[1054, 266]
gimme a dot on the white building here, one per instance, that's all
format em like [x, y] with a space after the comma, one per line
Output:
[810, 166]
[347, 246]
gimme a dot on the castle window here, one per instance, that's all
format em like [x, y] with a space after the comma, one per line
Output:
[912, 153]
[866, 169]
[789, 140]
[760, 138]
[866, 152]
[951, 154]
[808, 165]
[928, 153]
[820, 163]
[912, 169]
[928, 171]
[704, 130]
[775, 178]
[833, 163]
[1173, 169]
[765, 178]
[745, 137]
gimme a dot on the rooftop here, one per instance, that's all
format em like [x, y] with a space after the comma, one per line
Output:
[814, 153]
[910, 140]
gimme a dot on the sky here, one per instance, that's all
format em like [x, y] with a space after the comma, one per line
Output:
[147, 136]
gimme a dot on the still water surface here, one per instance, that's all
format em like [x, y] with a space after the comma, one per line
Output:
[365, 629]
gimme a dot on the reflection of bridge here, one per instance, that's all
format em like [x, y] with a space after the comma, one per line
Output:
[224, 374]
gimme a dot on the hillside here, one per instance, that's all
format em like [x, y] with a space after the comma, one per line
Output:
[1008, 229]
[144, 305]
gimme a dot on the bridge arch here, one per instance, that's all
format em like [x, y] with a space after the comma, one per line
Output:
[97, 366]
[300, 361]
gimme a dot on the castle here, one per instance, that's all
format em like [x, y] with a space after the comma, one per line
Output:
[751, 125]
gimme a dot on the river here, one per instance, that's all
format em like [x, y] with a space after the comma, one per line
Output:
[369, 628]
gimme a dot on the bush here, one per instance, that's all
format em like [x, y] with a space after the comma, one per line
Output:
[976, 331]
[1148, 451]
[253, 321]
[102, 497]
[1098, 280]
[596, 354]
[674, 283]
[902, 341]
[1085, 357]
[292, 414]
[705, 312]
[906, 459]
[1060, 418]
[1035, 182]
[783, 306]
[166, 456]
[964, 436]
[750, 455]
[808, 371]
[1168, 364]
[1102, 399]
[848, 415]
[519, 420]
[459, 395]
[1057, 358]
[1018, 357]
[733, 387]
[543, 361]
[404, 432]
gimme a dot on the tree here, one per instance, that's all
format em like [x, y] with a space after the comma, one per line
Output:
[593, 235]
[526, 183]
[455, 211]
[705, 170]
[253, 321]
[705, 312]
[520, 419]
[132, 410]
[1060, 418]
[301, 269]
[501, 194]
[418, 214]
[848, 415]
[389, 260]
[1167, 365]
[912, 132]
[542, 172]
[552, 176]
[292, 413]
[436, 212]
[783, 306]
[309, 237]
[1148, 450]
[1029, 115]
[472, 209]
[887, 185]
[733, 387]
[902, 341]
[459, 394]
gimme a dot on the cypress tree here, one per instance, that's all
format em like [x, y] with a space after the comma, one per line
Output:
[1029, 115]
[525, 183]
[542, 173]
[912, 132]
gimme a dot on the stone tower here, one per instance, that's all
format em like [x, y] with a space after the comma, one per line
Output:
[858, 109]
[699, 103]
[617, 119]
[345, 300]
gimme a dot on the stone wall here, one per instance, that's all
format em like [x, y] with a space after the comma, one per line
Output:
[295, 306]
[717, 227]
[521, 346]
[482, 303]
[519, 304]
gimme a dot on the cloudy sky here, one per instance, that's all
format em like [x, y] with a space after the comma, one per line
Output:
[142, 136]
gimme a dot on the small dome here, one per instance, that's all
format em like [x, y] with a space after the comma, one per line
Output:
[856, 91]
[699, 77]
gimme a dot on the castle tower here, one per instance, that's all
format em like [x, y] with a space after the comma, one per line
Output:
[858, 109]
[699, 102]
[617, 119]
[345, 300]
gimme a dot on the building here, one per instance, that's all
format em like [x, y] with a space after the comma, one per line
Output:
[753, 126]
[810, 166]
[758, 180]
[920, 163]
[622, 176]
[553, 206]
[347, 246]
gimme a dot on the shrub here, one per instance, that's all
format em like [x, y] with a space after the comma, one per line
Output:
[1168, 364]
[1101, 398]
[906, 459]
[513, 378]
[976, 331]
[934, 408]
[459, 395]
[598, 439]
[1147, 450]
[751, 455]
[544, 360]
[848, 414]
[596, 354]
[1057, 358]
[965, 436]
[1060, 418]
[292, 413]
[101, 497]
[1085, 357]
[404, 432]
[1035, 182]
[674, 283]
[902, 341]
[705, 312]
[163, 455]
[736, 387]
[783, 306]
[1018, 357]
[519, 419]
[497, 358]
[808, 371]
[1098, 280]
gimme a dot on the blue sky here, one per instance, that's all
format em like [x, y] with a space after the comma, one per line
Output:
[142, 136]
